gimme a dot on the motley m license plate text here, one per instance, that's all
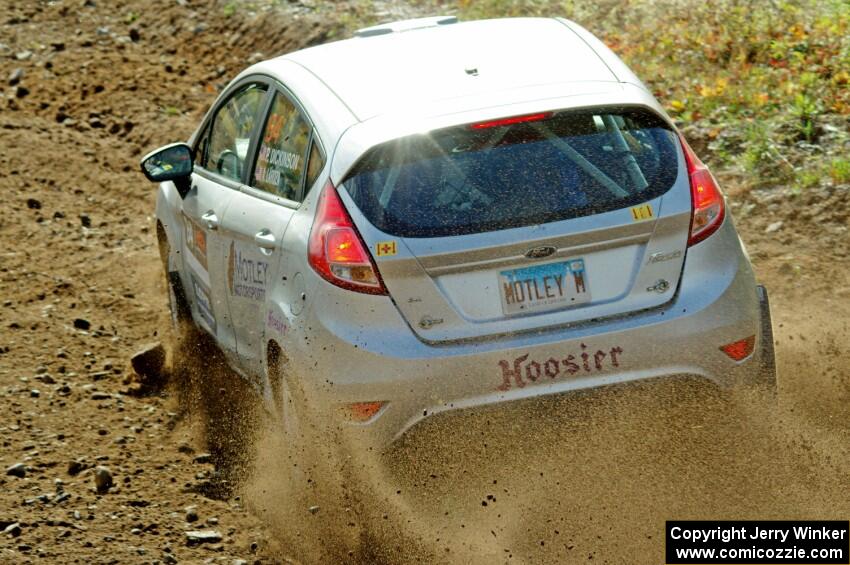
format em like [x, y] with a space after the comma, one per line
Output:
[544, 287]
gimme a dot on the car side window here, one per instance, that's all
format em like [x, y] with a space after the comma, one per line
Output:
[283, 150]
[314, 166]
[226, 149]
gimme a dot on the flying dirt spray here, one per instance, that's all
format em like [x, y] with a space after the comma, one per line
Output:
[590, 474]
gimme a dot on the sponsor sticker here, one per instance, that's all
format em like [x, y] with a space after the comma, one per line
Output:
[386, 248]
[247, 276]
[204, 304]
[276, 324]
[196, 241]
[522, 370]
[642, 212]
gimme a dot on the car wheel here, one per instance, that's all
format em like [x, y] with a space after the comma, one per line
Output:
[189, 343]
[287, 407]
[315, 469]
[178, 306]
[282, 406]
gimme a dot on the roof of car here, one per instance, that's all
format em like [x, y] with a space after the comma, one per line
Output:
[382, 73]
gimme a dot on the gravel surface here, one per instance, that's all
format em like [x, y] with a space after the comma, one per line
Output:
[103, 463]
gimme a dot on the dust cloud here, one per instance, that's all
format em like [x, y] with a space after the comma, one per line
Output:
[590, 475]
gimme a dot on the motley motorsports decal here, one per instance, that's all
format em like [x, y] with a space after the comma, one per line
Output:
[247, 276]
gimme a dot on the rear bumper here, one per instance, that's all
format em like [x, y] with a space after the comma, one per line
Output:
[348, 361]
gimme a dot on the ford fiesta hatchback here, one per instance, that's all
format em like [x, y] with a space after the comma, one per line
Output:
[436, 216]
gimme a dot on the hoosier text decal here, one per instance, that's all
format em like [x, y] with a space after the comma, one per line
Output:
[521, 370]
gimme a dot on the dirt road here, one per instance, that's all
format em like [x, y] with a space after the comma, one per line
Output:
[87, 88]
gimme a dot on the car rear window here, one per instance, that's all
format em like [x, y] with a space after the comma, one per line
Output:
[487, 177]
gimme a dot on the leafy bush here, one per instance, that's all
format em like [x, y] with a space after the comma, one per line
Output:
[765, 73]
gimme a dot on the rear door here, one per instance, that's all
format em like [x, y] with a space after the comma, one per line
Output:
[526, 223]
[220, 160]
[258, 215]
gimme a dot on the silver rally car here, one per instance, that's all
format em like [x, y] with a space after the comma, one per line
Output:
[435, 216]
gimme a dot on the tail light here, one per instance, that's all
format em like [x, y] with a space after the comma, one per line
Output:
[707, 206]
[335, 250]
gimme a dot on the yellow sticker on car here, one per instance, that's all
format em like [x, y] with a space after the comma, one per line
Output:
[642, 212]
[385, 248]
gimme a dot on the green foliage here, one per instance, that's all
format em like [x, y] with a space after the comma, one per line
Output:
[230, 8]
[764, 73]
[839, 170]
[808, 178]
[762, 155]
[805, 109]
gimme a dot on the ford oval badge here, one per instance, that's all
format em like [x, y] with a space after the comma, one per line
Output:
[540, 252]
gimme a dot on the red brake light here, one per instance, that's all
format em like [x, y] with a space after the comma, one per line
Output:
[707, 206]
[513, 120]
[344, 247]
[335, 250]
[741, 349]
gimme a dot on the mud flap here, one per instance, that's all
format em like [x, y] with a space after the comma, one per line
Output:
[767, 359]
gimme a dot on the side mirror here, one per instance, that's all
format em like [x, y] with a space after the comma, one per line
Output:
[171, 162]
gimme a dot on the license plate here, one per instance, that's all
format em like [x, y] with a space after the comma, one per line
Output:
[544, 287]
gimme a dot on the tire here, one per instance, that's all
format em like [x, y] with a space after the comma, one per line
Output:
[190, 346]
[312, 466]
[306, 445]
[284, 408]
[178, 305]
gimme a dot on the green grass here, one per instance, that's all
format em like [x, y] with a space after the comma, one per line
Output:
[170, 111]
[839, 170]
[230, 8]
